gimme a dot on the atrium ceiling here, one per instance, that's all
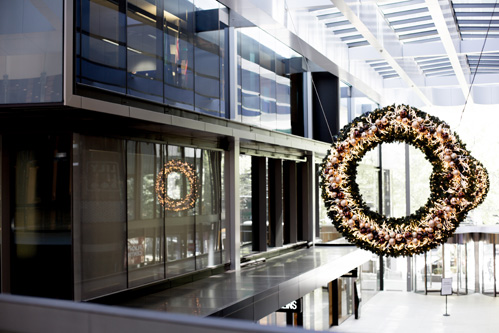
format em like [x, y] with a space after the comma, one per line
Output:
[436, 48]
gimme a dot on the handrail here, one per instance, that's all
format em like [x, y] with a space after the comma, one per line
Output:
[30, 314]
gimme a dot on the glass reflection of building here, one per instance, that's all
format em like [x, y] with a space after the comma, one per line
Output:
[168, 52]
[267, 71]
[31, 54]
[160, 243]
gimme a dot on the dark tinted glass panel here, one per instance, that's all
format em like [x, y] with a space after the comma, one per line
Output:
[145, 214]
[167, 51]
[41, 256]
[102, 57]
[267, 85]
[180, 222]
[103, 215]
[207, 75]
[283, 103]
[148, 212]
[209, 236]
[245, 204]
[144, 49]
[179, 30]
[265, 68]
[249, 72]
[30, 51]
[250, 91]
[268, 99]
[209, 57]
[223, 74]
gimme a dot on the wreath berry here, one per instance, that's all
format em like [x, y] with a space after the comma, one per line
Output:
[458, 182]
[190, 198]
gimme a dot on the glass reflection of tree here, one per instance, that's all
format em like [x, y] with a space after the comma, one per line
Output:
[367, 179]
[177, 185]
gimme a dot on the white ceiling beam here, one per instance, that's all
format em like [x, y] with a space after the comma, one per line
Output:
[439, 18]
[430, 49]
[389, 51]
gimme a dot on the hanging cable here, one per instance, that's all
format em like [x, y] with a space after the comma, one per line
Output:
[322, 108]
[478, 63]
[288, 12]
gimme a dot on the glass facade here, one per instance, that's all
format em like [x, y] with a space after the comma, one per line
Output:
[174, 53]
[368, 179]
[144, 49]
[101, 45]
[470, 264]
[419, 273]
[103, 216]
[394, 179]
[327, 231]
[361, 105]
[265, 78]
[419, 172]
[245, 196]
[316, 309]
[137, 226]
[163, 51]
[489, 272]
[345, 103]
[345, 298]
[145, 215]
[370, 279]
[324, 307]
[395, 273]
[31, 51]
[41, 229]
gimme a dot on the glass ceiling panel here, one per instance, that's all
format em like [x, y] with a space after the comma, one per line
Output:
[410, 20]
[478, 20]
[335, 22]
[412, 23]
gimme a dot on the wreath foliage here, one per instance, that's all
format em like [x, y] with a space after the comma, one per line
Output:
[458, 182]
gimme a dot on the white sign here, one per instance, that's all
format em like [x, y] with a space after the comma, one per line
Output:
[290, 306]
[446, 287]
[293, 307]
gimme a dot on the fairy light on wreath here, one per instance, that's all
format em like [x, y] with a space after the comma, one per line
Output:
[458, 182]
[190, 198]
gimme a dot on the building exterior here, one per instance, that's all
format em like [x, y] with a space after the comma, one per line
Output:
[150, 143]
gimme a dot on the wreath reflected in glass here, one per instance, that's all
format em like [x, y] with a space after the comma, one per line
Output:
[172, 196]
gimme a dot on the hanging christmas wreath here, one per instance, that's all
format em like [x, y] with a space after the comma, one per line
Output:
[189, 199]
[458, 182]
